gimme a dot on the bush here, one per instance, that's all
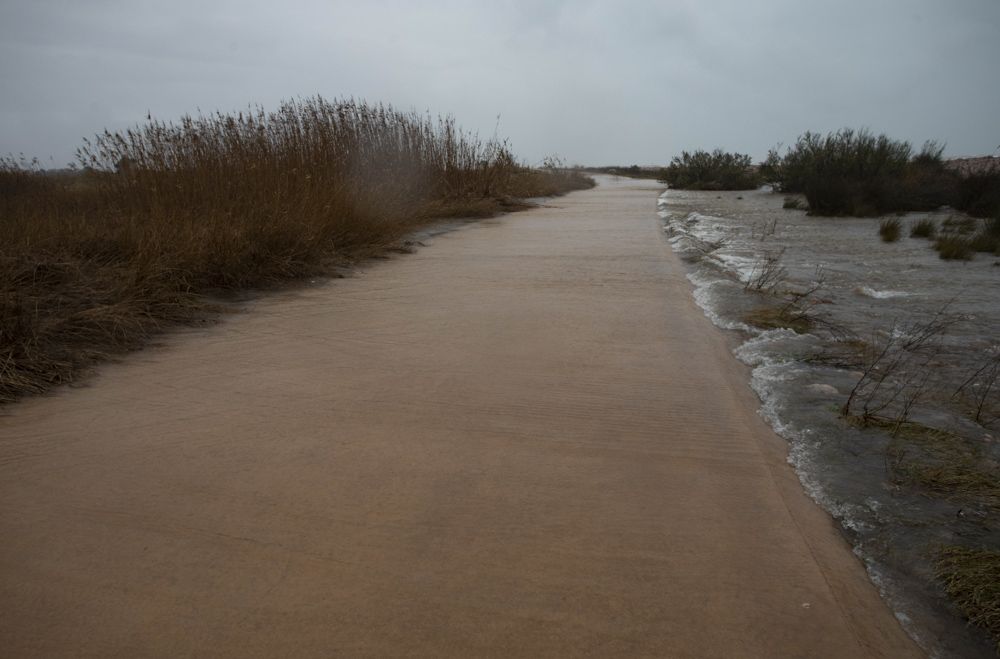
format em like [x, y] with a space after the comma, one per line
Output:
[845, 173]
[717, 170]
[857, 173]
[978, 193]
[889, 230]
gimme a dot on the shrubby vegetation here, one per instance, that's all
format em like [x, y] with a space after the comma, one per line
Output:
[851, 172]
[630, 171]
[718, 170]
[161, 216]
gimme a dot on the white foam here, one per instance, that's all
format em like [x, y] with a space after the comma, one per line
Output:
[868, 291]
[707, 297]
[741, 266]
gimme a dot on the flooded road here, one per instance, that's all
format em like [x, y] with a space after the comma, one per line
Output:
[865, 292]
[525, 439]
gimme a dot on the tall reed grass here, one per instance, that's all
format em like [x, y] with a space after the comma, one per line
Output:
[160, 217]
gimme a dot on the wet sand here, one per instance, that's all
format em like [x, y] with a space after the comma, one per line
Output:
[523, 440]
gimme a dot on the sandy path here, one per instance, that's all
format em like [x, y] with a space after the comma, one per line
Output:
[523, 440]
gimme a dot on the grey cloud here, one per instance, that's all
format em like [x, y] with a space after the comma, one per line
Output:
[595, 81]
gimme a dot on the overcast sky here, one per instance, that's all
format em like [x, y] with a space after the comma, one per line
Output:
[596, 82]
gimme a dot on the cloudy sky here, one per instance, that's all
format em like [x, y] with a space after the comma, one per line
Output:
[594, 81]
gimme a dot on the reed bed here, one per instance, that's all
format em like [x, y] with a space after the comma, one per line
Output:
[160, 219]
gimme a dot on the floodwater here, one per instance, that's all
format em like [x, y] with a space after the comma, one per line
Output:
[867, 293]
[506, 444]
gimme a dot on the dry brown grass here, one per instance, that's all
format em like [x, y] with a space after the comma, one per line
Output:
[164, 216]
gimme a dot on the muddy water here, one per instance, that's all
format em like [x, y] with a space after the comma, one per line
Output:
[869, 291]
[523, 440]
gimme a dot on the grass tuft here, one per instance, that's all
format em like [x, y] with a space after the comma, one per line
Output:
[940, 464]
[923, 229]
[959, 225]
[987, 239]
[954, 247]
[890, 230]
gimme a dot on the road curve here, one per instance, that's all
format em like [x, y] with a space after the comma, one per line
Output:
[522, 440]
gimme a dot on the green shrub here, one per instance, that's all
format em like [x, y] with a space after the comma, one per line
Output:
[844, 173]
[978, 193]
[851, 172]
[717, 170]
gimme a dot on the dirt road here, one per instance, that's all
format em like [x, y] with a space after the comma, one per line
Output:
[523, 440]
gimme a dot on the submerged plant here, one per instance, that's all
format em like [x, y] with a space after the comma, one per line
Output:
[897, 369]
[959, 225]
[979, 387]
[889, 230]
[971, 577]
[987, 239]
[925, 228]
[767, 272]
[954, 247]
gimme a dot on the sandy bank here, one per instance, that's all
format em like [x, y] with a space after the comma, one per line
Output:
[523, 440]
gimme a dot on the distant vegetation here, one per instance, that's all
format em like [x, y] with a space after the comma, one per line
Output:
[163, 215]
[718, 170]
[631, 171]
[851, 172]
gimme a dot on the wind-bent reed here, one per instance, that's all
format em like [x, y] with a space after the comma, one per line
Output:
[161, 215]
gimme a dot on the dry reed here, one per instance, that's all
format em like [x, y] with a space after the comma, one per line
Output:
[163, 216]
